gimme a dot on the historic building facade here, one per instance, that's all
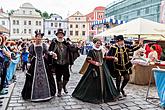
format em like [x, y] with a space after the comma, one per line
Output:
[51, 25]
[24, 22]
[78, 27]
[4, 19]
[97, 14]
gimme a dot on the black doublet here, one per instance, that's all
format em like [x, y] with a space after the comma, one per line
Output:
[122, 53]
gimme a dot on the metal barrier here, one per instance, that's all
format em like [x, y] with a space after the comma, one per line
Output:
[159, 76]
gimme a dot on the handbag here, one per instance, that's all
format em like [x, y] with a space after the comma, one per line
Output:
[84, 67]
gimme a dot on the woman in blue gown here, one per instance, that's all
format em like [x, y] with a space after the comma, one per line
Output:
[39, 84]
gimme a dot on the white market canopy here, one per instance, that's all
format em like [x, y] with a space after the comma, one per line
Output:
[137, 26]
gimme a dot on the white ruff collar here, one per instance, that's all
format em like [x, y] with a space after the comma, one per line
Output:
[59, 40]
[96, 48]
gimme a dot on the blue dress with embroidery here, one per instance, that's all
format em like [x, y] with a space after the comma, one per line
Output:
[39, 84]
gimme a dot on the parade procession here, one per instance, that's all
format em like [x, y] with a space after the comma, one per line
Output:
[109, 58]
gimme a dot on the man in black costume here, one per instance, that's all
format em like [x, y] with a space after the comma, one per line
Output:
[61, 51]
[123, 66]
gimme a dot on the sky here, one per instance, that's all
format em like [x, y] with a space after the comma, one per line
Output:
[61, 7]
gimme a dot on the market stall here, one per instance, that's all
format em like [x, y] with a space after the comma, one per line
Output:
[141, 74]
[139, 28]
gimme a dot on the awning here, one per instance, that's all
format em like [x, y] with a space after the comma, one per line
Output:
[107, 20]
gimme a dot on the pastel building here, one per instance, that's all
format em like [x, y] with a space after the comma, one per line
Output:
[24, 22]
[4, 19]
[51, 26]
[96, 14]
[78, 27]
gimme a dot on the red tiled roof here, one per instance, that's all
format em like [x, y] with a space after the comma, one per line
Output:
[100, 8]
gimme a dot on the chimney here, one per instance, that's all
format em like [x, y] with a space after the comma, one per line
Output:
[1, 10]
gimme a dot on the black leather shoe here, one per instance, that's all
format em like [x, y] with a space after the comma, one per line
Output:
[1, 97]
[59, 94]
[123, 93]
[65, 90]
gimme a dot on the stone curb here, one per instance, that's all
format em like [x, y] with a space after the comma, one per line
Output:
[7, 97]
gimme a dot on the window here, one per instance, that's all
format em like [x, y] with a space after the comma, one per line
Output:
[24, 31]
[17, 31]
[83, 33]
[39, 30]
[23, 11]
[54, 32]
[37, 23]
[71, 33]
[49, 32]
[3, 22]
[30, 12]
[76, 33]
[84, 26]
[30, 31]
[14, 22]
[75, 18]
[78, 18]
[138, 12]
[30, 22]
[51, 24]
[158, 8]
[71, 26]
[65, 32]
[55, 18]
[14, 31]
[59, 24]
[17, 22]
[119, 17]
[147, 10]
[76, 26]
[24, 22]
[55, 25]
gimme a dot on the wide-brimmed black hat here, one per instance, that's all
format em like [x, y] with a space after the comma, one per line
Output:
[60, 31]
[119, 38]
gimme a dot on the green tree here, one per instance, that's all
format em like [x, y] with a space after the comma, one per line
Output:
[45, 15]
[39, 11]
[11, 12]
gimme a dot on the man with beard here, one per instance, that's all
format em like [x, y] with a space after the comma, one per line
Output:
[123, 66]
[61, 51]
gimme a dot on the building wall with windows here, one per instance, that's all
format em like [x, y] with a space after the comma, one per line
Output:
[24, 22]
[78, 27]
[130, 9]
[97, 14]
[4, 19]
[51, 26]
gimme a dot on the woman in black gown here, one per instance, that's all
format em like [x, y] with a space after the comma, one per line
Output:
[96, 85]
[39, 84]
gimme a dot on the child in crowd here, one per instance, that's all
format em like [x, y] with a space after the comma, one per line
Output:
[25, 55]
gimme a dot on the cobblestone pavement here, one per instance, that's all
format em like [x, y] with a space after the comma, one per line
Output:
[134, 101]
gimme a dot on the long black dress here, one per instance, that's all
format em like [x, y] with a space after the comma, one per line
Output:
[96, 85]
[39, 84]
